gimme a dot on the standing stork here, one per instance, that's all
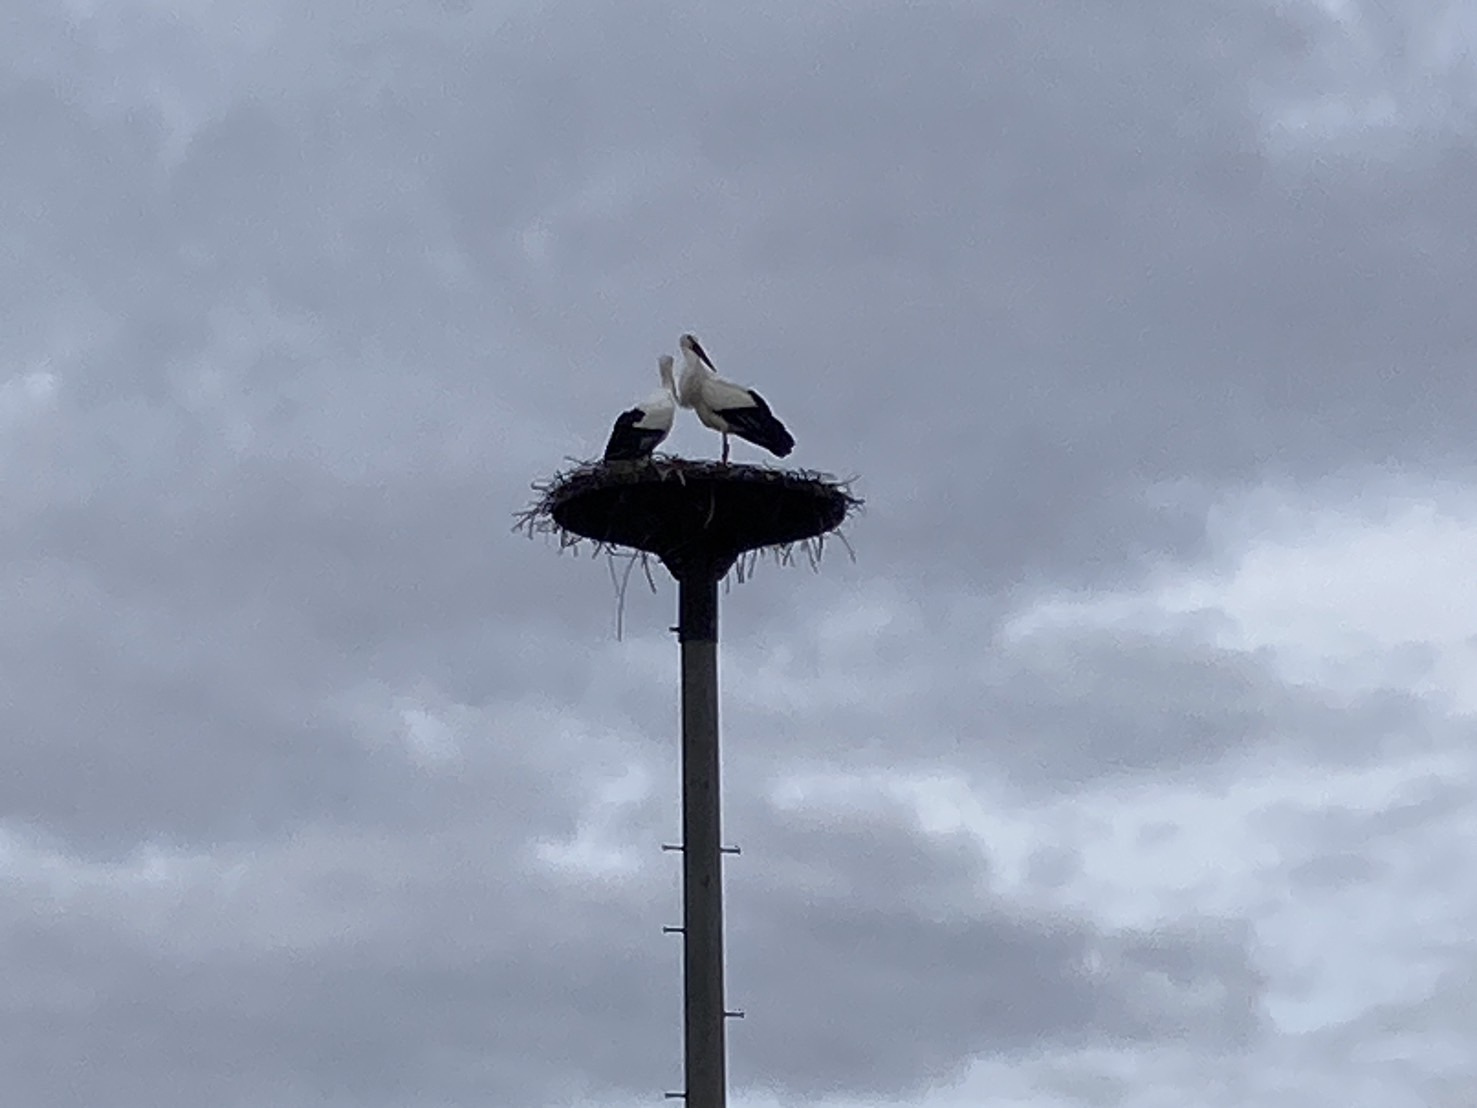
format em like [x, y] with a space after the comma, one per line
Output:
[640, 430]
[728, 408]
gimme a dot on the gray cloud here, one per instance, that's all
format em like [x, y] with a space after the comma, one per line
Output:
[881, 963]
[871, 957]
[1055, 709]
[297, 302]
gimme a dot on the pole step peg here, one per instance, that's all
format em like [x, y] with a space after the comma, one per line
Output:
[672, 846]
[734, 1015]
[729, 850]
[669, 929]
[674, 1096]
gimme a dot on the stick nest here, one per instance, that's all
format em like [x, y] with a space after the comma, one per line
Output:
[669, 507]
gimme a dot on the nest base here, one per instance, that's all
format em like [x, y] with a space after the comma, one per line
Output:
[697, 517]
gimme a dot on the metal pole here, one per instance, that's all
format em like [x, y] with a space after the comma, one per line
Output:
[702, 881]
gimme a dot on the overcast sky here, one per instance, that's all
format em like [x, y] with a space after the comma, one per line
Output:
[1130, 764]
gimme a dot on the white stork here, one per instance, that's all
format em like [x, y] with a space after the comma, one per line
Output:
[640, 430]
[728, 408]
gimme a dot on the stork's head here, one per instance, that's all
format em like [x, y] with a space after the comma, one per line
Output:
[691, 346]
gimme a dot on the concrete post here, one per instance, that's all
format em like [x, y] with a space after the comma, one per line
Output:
[702, 878]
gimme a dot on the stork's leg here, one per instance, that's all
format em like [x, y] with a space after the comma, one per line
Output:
[725, 447]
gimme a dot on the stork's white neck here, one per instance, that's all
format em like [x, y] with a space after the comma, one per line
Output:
[690, 386]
